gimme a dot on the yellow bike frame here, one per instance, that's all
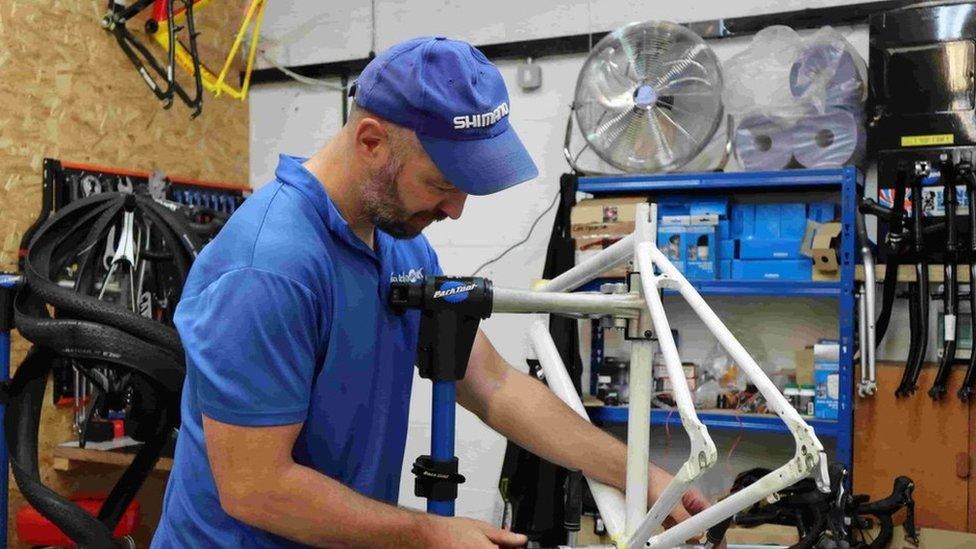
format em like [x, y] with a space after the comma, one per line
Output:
[217, 83]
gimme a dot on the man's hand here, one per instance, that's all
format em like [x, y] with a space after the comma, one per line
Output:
[469, 533]
[692, 502]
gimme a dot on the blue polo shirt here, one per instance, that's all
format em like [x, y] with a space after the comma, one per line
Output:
[284, 319]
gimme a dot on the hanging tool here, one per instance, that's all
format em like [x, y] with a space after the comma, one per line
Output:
[965, 171]
[865, 307]
[950, 295]
[918, 310]
[124, 257]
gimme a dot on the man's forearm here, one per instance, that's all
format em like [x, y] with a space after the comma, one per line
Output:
[529, 414]
[311, 508]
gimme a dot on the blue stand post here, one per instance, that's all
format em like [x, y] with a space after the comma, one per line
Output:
[442, 437]
[8, 284]
[451, 309]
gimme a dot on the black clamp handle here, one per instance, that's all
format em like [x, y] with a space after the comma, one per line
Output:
[436, 480]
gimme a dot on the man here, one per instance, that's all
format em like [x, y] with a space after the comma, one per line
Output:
[298, 373]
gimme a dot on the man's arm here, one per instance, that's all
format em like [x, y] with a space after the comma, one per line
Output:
[260, 484]
[526, 412]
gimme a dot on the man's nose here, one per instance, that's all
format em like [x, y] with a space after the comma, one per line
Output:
[453, 205]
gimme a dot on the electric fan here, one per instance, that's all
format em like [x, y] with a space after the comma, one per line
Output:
[649, 97]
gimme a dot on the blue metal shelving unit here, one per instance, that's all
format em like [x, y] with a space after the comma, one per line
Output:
[846, 182]
[717, 420]
[769, 288]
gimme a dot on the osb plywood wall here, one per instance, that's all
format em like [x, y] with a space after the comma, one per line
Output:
[68, 92]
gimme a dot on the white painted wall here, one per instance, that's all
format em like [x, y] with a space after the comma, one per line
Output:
[316, 32]
[296, 118]
[290, 118]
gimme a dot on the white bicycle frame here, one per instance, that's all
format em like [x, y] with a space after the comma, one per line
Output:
[628, 521]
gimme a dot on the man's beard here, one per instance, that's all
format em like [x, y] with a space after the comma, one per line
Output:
[383, 206]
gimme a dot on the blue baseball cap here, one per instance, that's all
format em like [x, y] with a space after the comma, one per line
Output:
[456, 101]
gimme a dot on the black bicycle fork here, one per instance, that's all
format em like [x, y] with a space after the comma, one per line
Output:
[918, 294]
[968, 389]
[950, 294]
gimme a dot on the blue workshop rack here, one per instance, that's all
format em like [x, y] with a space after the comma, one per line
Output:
[846, 183]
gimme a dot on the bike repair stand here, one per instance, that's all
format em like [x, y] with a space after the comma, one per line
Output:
[8, 288]
[451, 309]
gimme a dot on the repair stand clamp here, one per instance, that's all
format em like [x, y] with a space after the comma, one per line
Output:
[450, 310]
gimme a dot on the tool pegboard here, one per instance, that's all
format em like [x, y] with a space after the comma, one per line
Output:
[205, 205]
[66, 181]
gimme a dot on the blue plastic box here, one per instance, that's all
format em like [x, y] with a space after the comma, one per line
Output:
[725, 269]
[724, 230]
[821, 212]
[767, 222]
[772, 269]
[792, 220]
[727, 249]
[709, 206]
[743, 222]
[771, 248]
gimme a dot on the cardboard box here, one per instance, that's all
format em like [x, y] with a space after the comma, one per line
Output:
[820, 276]
[602, 229]
[803, 365]
[824, 254]
[772, 248]
[771, 269]
[598, 211]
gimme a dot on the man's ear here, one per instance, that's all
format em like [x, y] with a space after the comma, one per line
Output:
[371, 141]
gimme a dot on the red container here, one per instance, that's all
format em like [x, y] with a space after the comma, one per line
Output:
[35, 529]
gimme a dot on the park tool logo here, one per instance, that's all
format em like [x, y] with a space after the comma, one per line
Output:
[454, 291]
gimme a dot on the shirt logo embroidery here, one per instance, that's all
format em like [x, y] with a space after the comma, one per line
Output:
[413, 275]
